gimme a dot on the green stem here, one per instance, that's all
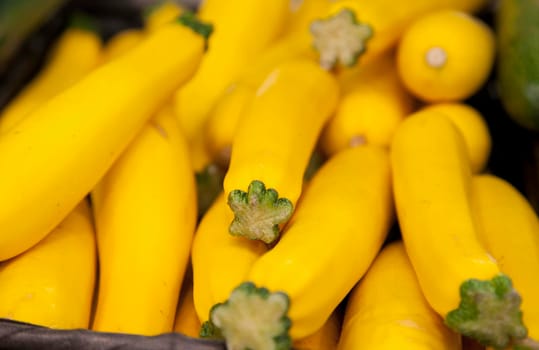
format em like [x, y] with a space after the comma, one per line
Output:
[340, 39]
[489, 312]
[258, 212]
[251, 318]
[189, 19]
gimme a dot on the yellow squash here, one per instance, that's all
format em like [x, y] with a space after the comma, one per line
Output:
[338, 227]
[220, 261]
[325, 338]
[75, 54]
[145, 218]
[373, 104]
[161, 14]
[446, 56]
[243, 28]
[52, 284]
[285, 118]
[473, 128]
[187, 321]
[510, 232]
[432, 183]
[55, 156]
[121, 43]
[223, 121]
[223, 118]
[388, 311]
[365, 28]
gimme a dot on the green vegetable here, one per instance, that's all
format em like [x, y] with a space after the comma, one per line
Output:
[517, 30]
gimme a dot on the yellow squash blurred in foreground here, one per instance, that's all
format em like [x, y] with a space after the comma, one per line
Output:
[145, 212]
[54, 157]
[52, 284]
[388, 311]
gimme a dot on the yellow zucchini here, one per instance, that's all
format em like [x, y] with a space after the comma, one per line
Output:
[161, 14]
[285, 118]
[222, 120]
[366, 28]
[75, 137]
[121, 43]
[387, 310]
[76, 53]
[472, 127]
[145, 219]
[337, 229]
[220, 261]
[372, 106]
[325, 338]
[510, 232]
[432, 183]
[187, 321]
[446, 56]
[243, 28]
[52, 284]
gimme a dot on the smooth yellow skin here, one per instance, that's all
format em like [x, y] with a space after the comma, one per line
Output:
[224, 118]
[336, 231]
[510, 232]
[187, 321]
[370, 110]
[387, 310]
[163, 14]
[220, 261]
[388, 21]
[56, 155]
[76, 53]
[469, 48]
[432, 186]
[52, 284]
[472, 127]
[145, 224]
[326, 338]
[285, 118]
[122, 43]
[242, 29]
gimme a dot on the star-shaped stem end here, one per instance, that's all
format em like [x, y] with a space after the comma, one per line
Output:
[340, 39]
[258, 212]
[489, 312]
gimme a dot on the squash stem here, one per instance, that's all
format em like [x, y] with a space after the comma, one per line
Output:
[489, 312]
[251, 318]
[258, 212]
[340, 39]
[189, 19]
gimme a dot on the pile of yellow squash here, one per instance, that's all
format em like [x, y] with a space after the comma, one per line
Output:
[335, 122]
